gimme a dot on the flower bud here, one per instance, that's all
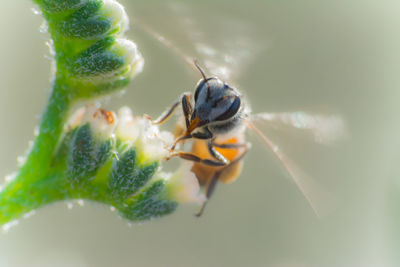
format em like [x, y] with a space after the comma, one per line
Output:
[91, 19]
[89, 47]
[149, 203]
[106, 58]
[114, 10]
[133, 60]
[128, 175]
[59, 6]
[90, 144]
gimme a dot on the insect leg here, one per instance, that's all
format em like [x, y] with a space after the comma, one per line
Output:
[179, 139]
[246, 149]
[216, 154]
[231, 146]
[211, 186]
[193, 157]
[201, 135]
[186, 107]
[219, 156]
[187, 111]
[166, 115]
[210, 189]
[206, 134]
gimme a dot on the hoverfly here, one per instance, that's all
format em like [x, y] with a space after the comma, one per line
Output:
[216, 117]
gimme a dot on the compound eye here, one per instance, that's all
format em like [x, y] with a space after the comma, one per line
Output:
[231, 111]
[199, 87]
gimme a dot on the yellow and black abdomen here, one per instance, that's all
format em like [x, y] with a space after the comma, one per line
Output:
[230, 173]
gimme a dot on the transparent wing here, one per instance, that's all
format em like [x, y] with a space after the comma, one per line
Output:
[324, 129]
[319, 199]
[223, 43]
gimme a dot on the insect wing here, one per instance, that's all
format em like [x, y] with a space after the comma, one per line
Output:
[322, 129]
[319, 199]
[225, 44]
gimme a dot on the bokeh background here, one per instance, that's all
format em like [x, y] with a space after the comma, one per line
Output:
[329, 56]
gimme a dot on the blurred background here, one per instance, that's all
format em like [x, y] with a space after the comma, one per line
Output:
[338, 57]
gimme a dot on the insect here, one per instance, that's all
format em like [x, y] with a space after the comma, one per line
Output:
[215, 122]
[216, 117]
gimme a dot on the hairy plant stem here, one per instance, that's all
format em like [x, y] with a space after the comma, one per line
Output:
[13, 198]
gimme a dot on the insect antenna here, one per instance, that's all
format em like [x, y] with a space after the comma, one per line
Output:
[196, 63]
[167, 43]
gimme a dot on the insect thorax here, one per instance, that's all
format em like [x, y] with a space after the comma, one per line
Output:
[229, 127]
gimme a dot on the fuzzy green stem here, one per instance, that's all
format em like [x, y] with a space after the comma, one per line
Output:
[19, 200]
[50, 130]
[37, 164]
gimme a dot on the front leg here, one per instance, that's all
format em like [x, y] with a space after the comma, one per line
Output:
[187, 112]
[187, 107]
[192, 157]
[166, 115]
[204, 135]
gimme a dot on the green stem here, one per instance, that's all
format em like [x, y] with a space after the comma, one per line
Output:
[46, 190]
[51, 127]
[15, 197]
[50, 130]
[17, 200]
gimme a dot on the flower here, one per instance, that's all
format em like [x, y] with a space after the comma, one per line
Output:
[138, 131]
[102, 122]
[153, 144]
[184, 186]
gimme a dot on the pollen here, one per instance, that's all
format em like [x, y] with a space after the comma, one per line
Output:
[107, 115]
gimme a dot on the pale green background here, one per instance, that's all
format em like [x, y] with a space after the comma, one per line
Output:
[340, 56]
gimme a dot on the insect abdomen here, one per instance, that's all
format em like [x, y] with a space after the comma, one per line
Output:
[205, 173]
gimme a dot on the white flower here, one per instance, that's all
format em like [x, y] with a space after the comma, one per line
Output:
[102, 122]
[76, 118]
[184, 186]
[149, 140]
[126, 129]
[155, 143]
